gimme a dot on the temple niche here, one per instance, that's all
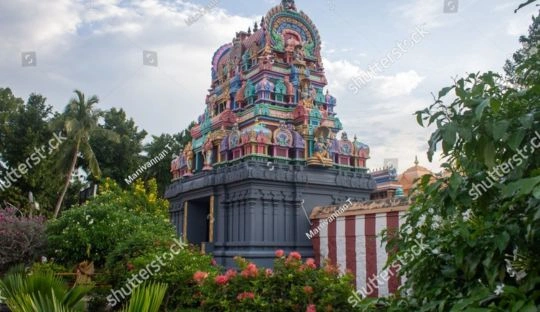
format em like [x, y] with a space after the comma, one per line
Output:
[268, 145]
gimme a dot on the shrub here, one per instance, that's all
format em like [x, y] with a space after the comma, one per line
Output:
[293, 285]
[22, 239]
[93, 230]
[129, 258]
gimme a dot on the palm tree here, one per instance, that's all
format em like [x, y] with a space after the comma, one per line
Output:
[80, 121]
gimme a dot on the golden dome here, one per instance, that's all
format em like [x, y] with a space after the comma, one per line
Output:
[408, 178]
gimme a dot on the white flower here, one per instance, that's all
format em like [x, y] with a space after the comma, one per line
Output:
[467, 214]
[520, 275]
[436, 222]
[421, 220]
[499, 290]
[91, 222]
[419, 236]
[43, 259]
[435, 251]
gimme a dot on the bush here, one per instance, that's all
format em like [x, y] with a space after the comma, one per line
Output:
[293, 285]
[139, 252]
[93, 230]
[22, 239]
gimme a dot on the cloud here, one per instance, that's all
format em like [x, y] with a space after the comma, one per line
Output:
[98, 48]
[400, 84]
[382, 113]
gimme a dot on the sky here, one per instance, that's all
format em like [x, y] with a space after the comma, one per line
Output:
[97, 46]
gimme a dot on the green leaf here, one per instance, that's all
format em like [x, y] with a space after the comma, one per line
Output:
[480, 108]
[500, 128]
[536, 193]
[516, 138]
[445, 91]
[527, 120]
[489, 154]
[522, 187]
[502, 241]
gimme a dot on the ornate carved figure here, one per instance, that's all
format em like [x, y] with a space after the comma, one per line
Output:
[278, 41]
[321, 149]
[309, 48]
[208, 153]
[188, 154]
[288, 4]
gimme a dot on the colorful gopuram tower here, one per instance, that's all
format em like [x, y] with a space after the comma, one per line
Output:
[265, 151]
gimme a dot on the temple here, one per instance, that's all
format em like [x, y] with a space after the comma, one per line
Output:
[268, 148]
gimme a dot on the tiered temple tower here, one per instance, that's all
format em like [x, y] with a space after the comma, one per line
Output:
[265, 151]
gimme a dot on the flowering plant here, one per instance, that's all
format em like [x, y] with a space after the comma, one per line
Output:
[292, 285]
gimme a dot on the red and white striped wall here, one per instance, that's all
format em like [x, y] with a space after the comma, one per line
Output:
[353, 243]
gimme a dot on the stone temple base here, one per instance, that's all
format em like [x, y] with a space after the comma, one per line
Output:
[248, 209]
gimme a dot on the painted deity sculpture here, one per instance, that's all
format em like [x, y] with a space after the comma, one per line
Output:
[208, 153]
[321, 149]
[188, 154]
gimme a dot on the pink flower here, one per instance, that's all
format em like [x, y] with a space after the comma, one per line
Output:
[280, 253]
[268, 272]
[244, 295]
[310, 262]
[250, 271]
[308, 290]
[295, 255]
[221, 279]
[311, 308]
[213, 262]
[230, 273]
[200, 276]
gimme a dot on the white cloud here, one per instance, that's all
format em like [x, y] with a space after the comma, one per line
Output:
[397, 85]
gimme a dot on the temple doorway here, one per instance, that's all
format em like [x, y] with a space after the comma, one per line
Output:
[198, 221]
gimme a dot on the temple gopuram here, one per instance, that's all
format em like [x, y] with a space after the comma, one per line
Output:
[268, 148]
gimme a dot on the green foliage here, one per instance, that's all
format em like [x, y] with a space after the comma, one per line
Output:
[80, 123]
[25, 129]
[118, 158]
[146, 298]
[41, 292]
[93, 230]
[148, 252]
[170, 144]
[481, 222]
[291, 286]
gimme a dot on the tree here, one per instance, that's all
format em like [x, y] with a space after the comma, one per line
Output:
[479, 226]
[118, 159]
[161, 171]
[80, 121]
[25, 132]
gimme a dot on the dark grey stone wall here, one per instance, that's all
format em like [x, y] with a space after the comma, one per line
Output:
[259, 209]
